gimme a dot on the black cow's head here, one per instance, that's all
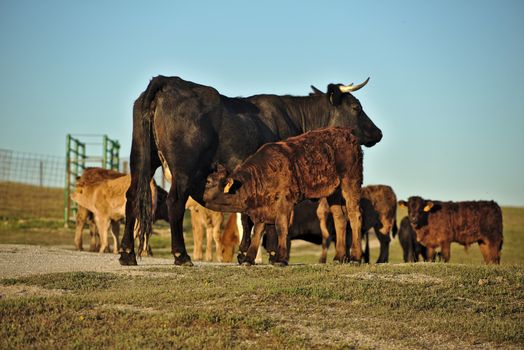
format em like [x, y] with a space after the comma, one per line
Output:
[418, 210]
[346, 111]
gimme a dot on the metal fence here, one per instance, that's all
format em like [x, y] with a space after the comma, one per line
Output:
[31, 185]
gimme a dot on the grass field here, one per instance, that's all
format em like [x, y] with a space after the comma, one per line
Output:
[463, 304]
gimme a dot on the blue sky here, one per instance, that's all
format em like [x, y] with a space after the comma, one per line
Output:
[446, 88]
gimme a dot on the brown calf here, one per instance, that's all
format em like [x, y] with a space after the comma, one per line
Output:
[323, 163]
[440, 223]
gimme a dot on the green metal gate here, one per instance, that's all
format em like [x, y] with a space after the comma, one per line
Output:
[76, 160]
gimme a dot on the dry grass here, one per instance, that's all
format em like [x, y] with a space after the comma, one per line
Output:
[20, 201]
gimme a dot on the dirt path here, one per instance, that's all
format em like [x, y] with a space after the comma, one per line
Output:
[23, 260]
[17, 260]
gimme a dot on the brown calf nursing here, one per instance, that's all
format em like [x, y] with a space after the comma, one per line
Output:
[323, 163]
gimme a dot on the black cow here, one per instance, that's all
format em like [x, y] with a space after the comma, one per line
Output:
[187, 127]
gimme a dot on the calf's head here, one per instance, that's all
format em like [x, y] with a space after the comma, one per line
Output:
[222, 192]
[418, 210]
[346, 111]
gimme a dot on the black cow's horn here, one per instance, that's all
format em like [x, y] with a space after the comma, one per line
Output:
[351, 88]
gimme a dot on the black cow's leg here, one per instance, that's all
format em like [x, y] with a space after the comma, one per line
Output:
[127, 247]
[247, 224]
[408, 250]
[176, 202]
[365, 236]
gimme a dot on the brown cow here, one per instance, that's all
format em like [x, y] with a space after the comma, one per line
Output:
[201, 218]
[323, 163]
[440, 223]
[106, 200]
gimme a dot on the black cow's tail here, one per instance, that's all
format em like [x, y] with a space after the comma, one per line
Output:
[143, 117]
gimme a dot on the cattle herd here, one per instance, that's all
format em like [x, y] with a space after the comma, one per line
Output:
[290, 166]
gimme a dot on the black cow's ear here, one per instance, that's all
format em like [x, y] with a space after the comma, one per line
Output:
[316, 91]
[402, 204]
[334, 94]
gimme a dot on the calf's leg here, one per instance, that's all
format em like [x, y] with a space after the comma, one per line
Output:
[94, 236]
[81, 218]
[445, 251]
[282, 226]
[255, 244]
[325, 237]
[490, 252]
[102, 224]
[245, 242]
[384, 239]
[351, 190]
[209, 242]
[198, 235]
[271, 238]
[115, 230]
[217, 236]
[340, 221]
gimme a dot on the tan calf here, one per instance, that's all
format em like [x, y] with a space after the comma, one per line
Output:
[106, 200]
[201, 218]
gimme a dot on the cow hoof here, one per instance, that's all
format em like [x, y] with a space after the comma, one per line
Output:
[280, 263]
[241, 257]
[340, 259]
[183, 260]
[246, 263]
[127, 259]
[354, 261]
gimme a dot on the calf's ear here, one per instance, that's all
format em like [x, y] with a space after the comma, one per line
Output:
[229, 184]
[232, 186]
[402, 204]
[428, 206]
